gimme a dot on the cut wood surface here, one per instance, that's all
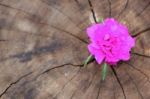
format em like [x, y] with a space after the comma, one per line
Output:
[43, 44]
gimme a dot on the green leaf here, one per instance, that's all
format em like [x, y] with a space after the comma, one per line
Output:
[89, 58]
[100, 20]
[104, 71]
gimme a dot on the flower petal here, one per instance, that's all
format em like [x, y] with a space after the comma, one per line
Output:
[111, 41]
[99, 56]
[91, 30]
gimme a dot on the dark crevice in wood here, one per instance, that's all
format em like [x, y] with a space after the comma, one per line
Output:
[141, 32]
[117, 78]
[57, 28]
[70, 34]
[146, 56]
[92, 11]
[56, 67]
[53, 68]
[43, 23]
[48, 70]
[135, 85]
[125, 7]
[143, 10]
[109, 4]
[14, 83]
[132, 66]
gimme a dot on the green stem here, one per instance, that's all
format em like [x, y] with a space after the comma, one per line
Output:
[89, 58]
[104, 71]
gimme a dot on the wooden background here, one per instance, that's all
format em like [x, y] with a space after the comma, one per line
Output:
[43, 44]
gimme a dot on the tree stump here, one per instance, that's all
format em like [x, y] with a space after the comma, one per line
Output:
[43, 44]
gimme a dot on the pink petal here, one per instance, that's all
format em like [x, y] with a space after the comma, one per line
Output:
[131, 41]
[99, 56]
[91, 31]
[111, 41]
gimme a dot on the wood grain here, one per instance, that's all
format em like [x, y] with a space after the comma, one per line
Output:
[43, 44]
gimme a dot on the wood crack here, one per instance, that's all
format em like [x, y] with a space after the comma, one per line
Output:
[146, 56]
[117, 78]
[141, 32]
[70, 34]
[14, 83]
[56, 67]
[48, 70]
[92, 11]
[43, 24]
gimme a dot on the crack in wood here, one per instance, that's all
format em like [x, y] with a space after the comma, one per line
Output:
[92, 10]
[125, 7]
[70, 34]
[141, 32]
[138, 54]
[43, 24]
[119, 82]
[71, 80]
[135, 85]
[48, 70]
[55, 67]
[109, 4]
[14, 83]
[132, 66]
[36, 77]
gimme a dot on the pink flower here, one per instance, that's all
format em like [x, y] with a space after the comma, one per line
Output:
[110, 41]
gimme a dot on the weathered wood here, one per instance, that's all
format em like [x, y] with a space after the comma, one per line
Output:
[43, 45]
